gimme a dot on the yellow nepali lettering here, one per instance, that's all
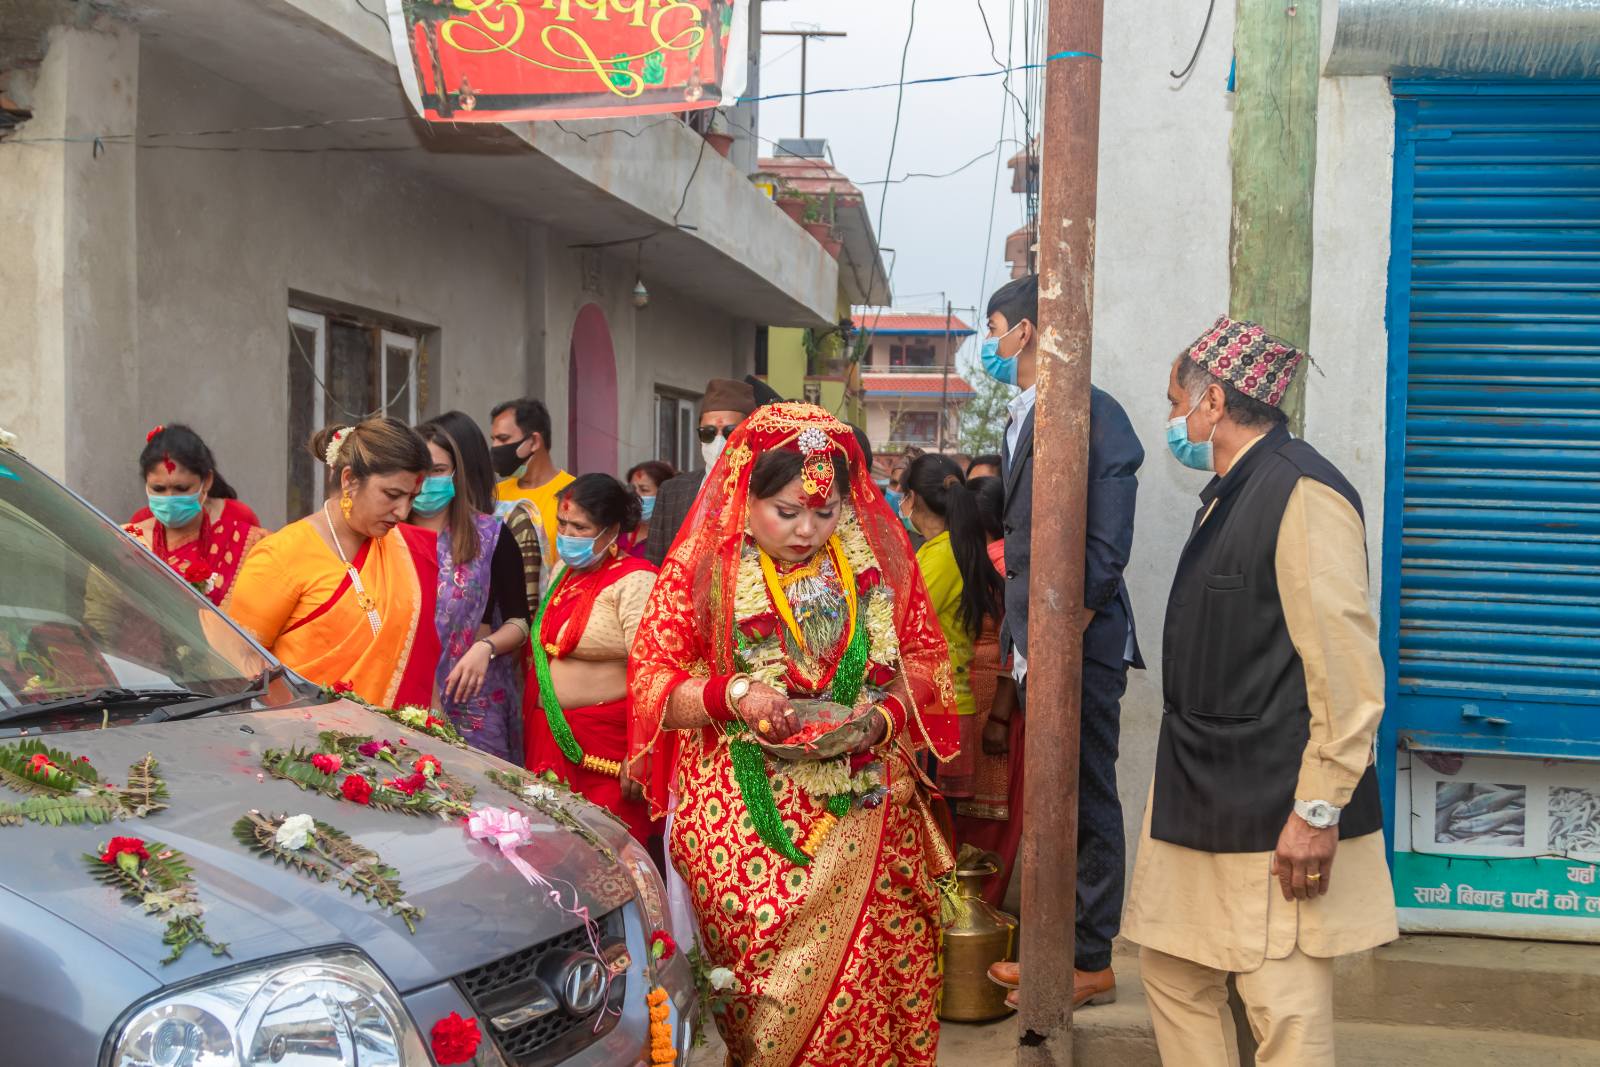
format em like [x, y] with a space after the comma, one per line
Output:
[634, 9]
[597, 8]
[565, 13]
[511, 22]
[686, 38]
[632, 85]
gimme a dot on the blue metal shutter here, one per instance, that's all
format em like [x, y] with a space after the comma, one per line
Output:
[1493, 626]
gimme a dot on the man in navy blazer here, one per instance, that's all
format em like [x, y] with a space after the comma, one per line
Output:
[1110, 646]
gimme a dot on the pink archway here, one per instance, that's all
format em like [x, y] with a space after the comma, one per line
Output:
[592, 396]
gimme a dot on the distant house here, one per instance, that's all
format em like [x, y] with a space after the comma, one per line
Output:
[913, 393]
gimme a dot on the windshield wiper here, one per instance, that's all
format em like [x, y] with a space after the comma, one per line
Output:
[98, 700]
[257, 688]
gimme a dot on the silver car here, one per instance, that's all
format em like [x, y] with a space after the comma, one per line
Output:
[107, 655]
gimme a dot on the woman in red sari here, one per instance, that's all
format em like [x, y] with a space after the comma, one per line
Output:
[194, 522]
[817, 882]
[576, 710]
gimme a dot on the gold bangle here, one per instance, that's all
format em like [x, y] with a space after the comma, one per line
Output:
[888, 722]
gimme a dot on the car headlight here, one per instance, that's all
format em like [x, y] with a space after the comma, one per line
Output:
[333, 1011]
[647, 880]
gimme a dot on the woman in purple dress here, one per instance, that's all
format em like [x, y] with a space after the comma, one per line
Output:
[482, 613]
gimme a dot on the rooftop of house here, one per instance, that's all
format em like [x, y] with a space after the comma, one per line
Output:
[899, 323]
[901, 385]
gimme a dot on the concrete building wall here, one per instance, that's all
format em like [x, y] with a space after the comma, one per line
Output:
[1162, 276]
[674, 342]
[224, 237]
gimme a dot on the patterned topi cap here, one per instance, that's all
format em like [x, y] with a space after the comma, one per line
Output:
[1247, 357]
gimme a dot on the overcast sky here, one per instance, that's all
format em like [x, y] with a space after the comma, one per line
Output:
[938, 227]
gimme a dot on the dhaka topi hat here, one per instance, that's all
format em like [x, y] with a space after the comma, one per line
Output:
[723, 394]
[1247, 357]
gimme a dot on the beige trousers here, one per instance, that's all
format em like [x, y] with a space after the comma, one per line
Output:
[1289, 1003]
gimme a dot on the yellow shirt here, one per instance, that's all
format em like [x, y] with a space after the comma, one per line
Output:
[937, 561]
[1225, 910]
[543, 499]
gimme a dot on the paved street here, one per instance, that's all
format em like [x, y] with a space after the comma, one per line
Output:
[960, 1045]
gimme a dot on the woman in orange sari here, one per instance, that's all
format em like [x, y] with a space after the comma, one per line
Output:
[577, 708]
[345, 597]
[194, 522]
[817, 882]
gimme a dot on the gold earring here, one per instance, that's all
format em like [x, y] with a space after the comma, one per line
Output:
[346, 504]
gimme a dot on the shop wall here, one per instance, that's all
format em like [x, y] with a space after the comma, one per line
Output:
[1162, 276]
[224, 237]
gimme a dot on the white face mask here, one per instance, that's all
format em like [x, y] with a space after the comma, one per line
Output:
[713, 451]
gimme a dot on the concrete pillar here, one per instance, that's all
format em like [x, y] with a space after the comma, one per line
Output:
[68, 264]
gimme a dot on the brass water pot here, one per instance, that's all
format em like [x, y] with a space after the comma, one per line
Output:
[981, 936]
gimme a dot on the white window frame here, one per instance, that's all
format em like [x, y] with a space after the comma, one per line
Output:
[318, 324]
[408, 344]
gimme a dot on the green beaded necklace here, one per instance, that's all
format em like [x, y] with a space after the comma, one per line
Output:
[559, 727]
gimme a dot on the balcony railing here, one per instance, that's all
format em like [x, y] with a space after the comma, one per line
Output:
[936, 369]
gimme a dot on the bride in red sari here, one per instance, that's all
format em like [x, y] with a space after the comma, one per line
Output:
[817, 882]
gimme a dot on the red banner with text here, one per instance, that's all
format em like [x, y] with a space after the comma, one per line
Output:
[519, 60]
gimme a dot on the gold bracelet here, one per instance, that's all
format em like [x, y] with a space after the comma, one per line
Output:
[888, 722]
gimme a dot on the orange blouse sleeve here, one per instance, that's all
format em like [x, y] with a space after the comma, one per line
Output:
[266, 593]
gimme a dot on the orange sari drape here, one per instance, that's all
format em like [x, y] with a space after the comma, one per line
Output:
[295, 595]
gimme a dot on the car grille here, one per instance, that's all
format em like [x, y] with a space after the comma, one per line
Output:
[554, 1037]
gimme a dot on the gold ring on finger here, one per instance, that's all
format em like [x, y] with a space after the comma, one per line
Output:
[1313, 877]
[765, 726]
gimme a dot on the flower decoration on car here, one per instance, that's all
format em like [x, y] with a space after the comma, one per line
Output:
[60, 787]
[454, 1040]
[159, 880]
[321, 851]
[358, 759]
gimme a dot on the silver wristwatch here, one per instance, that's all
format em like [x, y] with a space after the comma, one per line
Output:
[1318, 814]
[738, 689]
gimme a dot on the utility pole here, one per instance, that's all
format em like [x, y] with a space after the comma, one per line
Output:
[805, 38]
[947, 358]
[1069, 167]
[1273, 149]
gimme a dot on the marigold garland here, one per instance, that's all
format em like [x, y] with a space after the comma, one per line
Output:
[661, 1047]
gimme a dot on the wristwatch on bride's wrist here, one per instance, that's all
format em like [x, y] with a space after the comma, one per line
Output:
[1318, 814]
[738, 689]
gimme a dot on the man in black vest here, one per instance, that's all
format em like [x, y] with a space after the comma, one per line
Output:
[1273, 690]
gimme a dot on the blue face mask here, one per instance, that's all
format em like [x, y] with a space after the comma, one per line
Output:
[995, 365]
[437, 492]
[647, 507]
[1196, 454]
[893, 497]
[175, 511]
[576, 552]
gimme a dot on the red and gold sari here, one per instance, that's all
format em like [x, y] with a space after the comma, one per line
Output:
[601, 730]
[834, 939]
[228, 532]
[299, 600]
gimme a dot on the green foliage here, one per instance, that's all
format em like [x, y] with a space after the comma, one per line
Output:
[446, 800]
[71, 793]
[331, 855]
[983, 419]
[162, 885]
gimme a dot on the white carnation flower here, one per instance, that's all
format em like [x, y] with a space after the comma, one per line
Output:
[721, 979]
[296, 831]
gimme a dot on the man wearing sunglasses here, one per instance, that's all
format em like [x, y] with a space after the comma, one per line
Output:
[725, 405]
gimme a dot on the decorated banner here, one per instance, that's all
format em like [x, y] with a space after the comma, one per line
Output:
[518, 60]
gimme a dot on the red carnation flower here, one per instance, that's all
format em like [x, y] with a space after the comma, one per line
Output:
[132, 846]
[341, 688]
[151, 436]
[432, 724]
[356, 788]
[199, 571]
[410, 785]
[428, 766]
[662, 946]
[40, 764]
[454, 1040]
[327, 764]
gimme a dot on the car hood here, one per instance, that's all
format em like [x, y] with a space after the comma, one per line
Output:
[478, 907]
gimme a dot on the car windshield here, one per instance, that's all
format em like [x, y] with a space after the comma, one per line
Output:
[85, 609]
